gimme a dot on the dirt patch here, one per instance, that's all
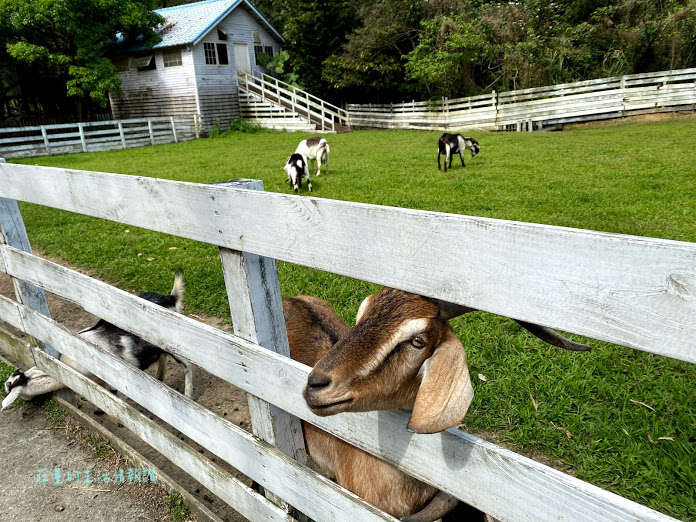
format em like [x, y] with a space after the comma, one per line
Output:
[215, 394]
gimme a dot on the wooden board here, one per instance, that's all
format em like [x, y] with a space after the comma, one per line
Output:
[575, 280]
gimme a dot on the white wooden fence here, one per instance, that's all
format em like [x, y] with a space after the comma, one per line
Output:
[93, 136]
[633, 291]
[540, 107]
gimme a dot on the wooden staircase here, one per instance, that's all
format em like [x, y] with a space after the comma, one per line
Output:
[324, 116]
[255, 109]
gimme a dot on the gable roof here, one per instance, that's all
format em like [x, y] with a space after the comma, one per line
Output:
[189, 23]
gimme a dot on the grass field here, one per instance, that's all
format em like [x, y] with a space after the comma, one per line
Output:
[582, 411]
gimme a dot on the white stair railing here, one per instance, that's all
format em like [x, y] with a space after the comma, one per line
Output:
[307, 106]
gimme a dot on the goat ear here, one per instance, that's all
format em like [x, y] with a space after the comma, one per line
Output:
[13, 396]
[363, 307]
[445, 392]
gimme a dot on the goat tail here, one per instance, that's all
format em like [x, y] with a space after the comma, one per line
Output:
[441, 504]
[178, 289]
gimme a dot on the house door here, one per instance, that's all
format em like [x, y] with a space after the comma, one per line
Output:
[241, 58]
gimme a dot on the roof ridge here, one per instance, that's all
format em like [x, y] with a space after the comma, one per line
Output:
[189, 5]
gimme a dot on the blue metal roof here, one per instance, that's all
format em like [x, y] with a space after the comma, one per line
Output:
[188, 23]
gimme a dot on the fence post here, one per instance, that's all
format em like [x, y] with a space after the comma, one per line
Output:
[173, 129]
[322, 115]
[123, 136]
[81, 128]
[257, 315]
[149, 128]
[45, 138]
[13, 233]
[197, 124]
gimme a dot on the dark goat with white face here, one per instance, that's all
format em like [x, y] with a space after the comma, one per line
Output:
[296, 169]
[121, 343]
[451, 144]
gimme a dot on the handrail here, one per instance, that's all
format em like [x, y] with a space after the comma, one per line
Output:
[290, 97]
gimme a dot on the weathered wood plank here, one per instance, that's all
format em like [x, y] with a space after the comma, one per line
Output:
[244, 500]
[18, 351]
[13, 233]
[456, 462]
[571, 279]
[257, 315]
[315, 495]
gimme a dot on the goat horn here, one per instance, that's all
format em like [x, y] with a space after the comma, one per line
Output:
[450, 310]
[441, 504]
[553, 337]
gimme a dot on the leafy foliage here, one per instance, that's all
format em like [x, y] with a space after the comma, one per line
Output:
[65, 38]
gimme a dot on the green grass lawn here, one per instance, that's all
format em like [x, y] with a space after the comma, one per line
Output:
[577, 409]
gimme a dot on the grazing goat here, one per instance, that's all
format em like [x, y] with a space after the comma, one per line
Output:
[296, 169]
[121, 343]
[451, 144]
[402, 353]
[315, 149]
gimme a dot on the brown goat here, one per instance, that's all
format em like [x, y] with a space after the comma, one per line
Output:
[402, 353]
[390, 344]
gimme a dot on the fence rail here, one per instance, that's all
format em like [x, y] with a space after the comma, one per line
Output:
[94, 136]
[542, 106]
[559, 275]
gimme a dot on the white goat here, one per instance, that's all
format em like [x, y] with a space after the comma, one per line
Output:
[125, 345]
[315, 149]
[296, 169]
[402, 353]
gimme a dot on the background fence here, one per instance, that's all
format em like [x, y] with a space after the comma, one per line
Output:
[95, 136]
[575, 280]
[539, 107]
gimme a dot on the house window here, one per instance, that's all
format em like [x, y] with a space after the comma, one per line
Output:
[144, 63]
[268, 50]
[210, 54]
[216, 54]
[223, 58]
[258, 49]
[222, 35]
[172, 58]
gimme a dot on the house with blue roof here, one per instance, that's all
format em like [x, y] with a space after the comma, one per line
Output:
[194, 68]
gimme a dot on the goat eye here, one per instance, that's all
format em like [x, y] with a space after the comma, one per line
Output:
[417, 342]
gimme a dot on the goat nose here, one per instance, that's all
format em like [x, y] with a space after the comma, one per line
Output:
[317, 381]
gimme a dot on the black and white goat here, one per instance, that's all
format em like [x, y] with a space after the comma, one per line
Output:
[451, 144]
[121, 343]
[315, 149]
[296, 169]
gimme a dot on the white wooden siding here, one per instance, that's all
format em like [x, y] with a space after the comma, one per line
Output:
[163, 91]
[217, 84]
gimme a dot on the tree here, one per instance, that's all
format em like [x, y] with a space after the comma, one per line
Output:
[66, 38]
[316, 31]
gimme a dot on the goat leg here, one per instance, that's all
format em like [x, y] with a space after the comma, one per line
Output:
[441, 504]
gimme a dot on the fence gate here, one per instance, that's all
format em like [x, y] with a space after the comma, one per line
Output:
[574, 280]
